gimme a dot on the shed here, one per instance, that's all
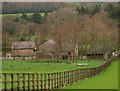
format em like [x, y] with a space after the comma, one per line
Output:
[97, 52]
[23, 49]
[65, 51]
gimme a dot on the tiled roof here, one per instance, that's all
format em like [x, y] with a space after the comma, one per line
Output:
[23, 45]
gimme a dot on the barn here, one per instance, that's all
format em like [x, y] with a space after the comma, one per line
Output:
[23, 50]
[97, 53]
[50, 50]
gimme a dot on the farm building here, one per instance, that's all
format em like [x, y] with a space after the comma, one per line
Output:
[98, 53]
[116, 53]
[23, 49]
[50, 50]
[8, 55]
[1, 55]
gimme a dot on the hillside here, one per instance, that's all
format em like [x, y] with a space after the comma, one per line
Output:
[70, 23]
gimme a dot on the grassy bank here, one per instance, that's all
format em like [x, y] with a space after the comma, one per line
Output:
[106, 80]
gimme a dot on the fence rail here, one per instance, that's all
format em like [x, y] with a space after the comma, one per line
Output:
[35, 81]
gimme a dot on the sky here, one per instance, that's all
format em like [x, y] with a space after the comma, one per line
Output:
[60, 0]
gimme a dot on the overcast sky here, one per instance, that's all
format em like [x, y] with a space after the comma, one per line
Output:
[60, 0]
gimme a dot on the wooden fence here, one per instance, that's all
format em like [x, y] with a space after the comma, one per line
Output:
[47, 81]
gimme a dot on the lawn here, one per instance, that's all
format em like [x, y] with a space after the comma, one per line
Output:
[106, 80]
[38, 67]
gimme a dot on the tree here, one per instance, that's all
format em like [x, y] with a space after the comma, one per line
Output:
[23, 33]
[81, 11]
[24, 16]
[113, 11]
[37, 18]
[9, 25]
[96, 9]
[16, 19]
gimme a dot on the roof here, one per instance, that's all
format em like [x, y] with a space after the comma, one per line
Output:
[51, 46]
[66, 47]
[23, 45]
[48, 46]
[98, 50]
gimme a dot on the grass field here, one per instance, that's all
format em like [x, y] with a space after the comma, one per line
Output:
[106, 80]
[38, 67]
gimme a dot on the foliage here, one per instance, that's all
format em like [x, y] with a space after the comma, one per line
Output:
[96, 9]
[82, 10]
[37, 18]
[28, 7]
[65, 26]
[9, 25]
[24, 16]
[113, 11]
[6, 49]
[16, 19]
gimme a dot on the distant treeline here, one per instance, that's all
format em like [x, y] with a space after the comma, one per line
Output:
[28, 7]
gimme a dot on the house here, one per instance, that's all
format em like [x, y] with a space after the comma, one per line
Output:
[1, 55]
[50, 49]
[98, 53]
[116, 53]
[23, 50]
[8, 55]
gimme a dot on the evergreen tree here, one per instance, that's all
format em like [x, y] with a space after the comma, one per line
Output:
[37, 18]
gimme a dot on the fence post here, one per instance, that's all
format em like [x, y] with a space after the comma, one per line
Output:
[28, 82]
[5, 81]
[12, 84]
[45, 81]
[41, 82]
[57, 80]
[52, 81]
[77, 74]
[60, 77]
[33, 84]
[49, 81]
[64, 79]
[37, 81]
[18, 80]
[23, 82]
[70, 77]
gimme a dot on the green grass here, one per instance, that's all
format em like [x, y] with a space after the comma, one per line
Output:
[106, 80]
[38, 67]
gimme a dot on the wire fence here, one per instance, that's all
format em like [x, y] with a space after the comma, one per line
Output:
[48, 81]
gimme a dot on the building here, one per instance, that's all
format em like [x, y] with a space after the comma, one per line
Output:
[50, 49]
[8, 55]
[99, 52]
[23, 50]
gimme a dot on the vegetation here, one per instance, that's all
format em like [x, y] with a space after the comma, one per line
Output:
[102, 81]
[70, 23]
[28, 7]
[18, 66]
